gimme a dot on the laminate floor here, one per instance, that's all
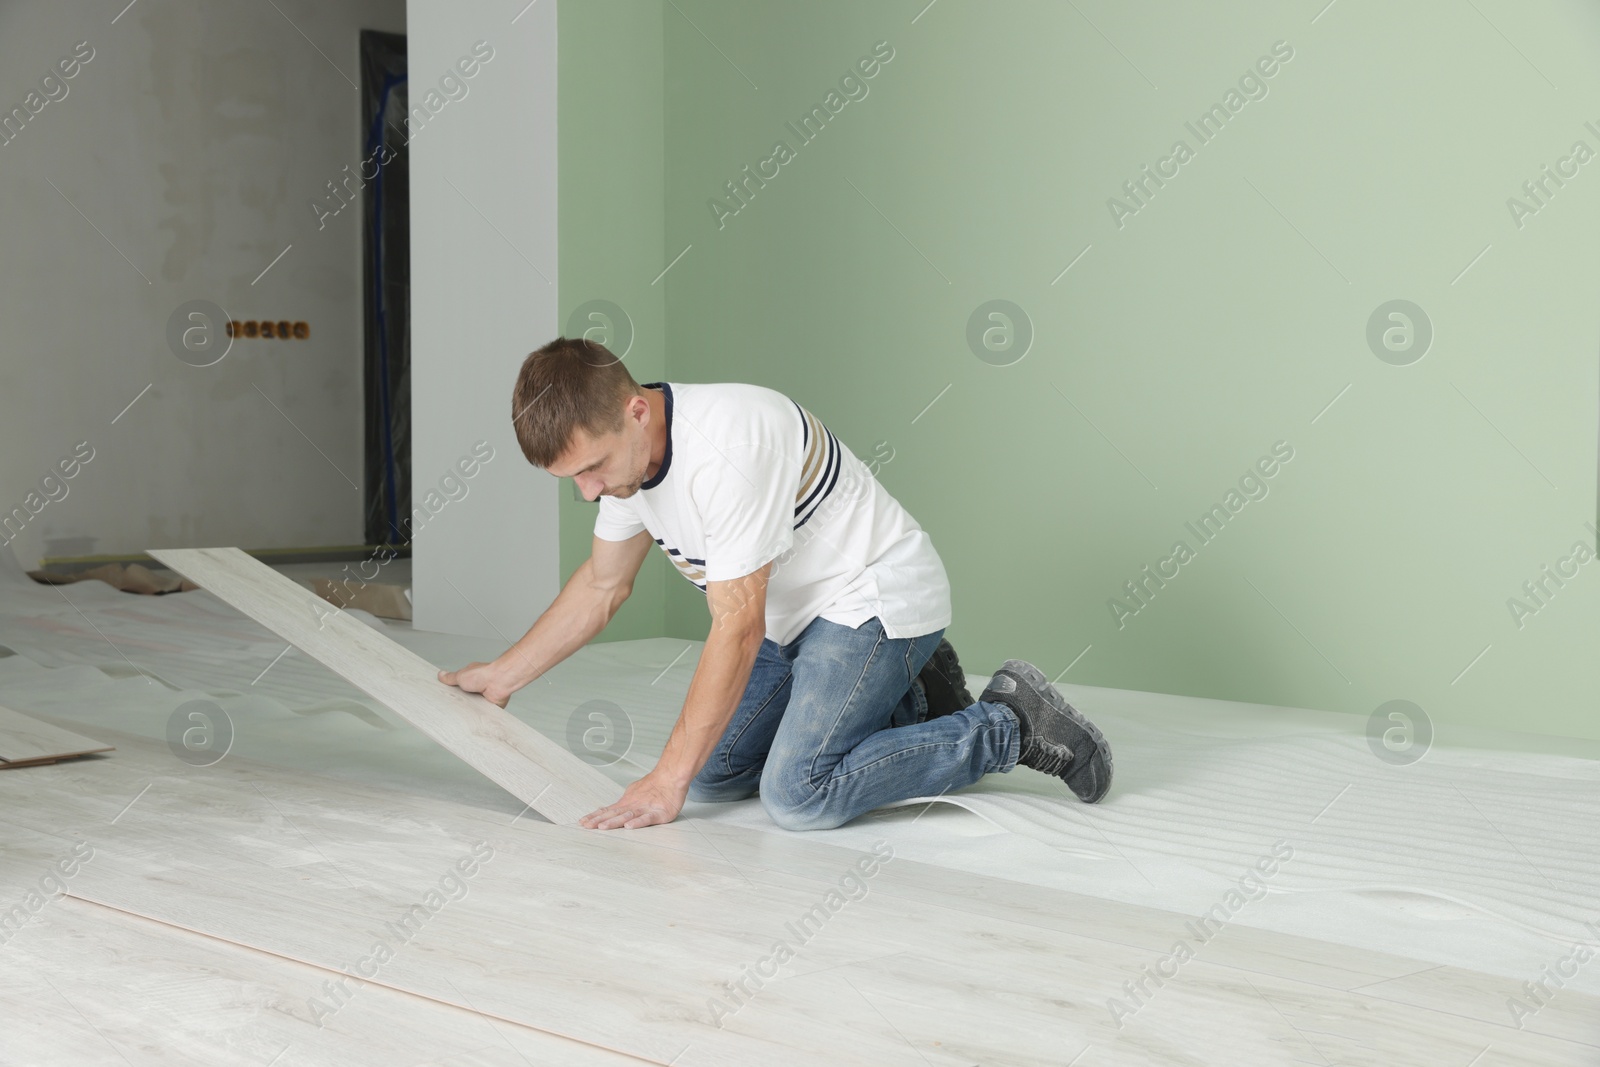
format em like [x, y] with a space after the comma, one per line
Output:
[205, 887]
[1007, 928]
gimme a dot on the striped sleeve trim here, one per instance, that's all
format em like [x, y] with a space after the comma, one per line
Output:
[819, 471]
[691, 568]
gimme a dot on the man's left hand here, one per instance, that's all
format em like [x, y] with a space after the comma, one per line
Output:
[647, 802]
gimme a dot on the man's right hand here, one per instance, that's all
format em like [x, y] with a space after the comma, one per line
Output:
[581, 610]
[485, 678]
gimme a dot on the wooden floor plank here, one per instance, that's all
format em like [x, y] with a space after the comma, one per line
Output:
[883, 982]
[623, 937]
[532, 767]
[25, 739]
[614, 938]
[89, 986]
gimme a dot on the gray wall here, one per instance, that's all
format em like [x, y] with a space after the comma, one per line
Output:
[184, 157]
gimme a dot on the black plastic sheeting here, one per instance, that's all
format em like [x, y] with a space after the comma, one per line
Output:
[386, 273]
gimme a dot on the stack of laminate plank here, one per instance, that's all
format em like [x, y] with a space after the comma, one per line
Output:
[28, 742]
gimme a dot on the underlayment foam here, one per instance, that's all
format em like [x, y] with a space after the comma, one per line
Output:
[1478, 856]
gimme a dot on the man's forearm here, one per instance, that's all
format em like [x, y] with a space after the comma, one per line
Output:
[578, 613]
[714, 694]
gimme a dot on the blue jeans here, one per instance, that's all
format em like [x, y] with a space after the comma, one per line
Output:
[833, 724]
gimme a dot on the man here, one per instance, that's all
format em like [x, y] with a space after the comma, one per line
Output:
[825, 683]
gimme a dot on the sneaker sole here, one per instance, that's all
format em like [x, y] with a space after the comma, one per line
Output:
[1035, 677]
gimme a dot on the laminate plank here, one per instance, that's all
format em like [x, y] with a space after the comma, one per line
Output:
[25, 739]
[624, 937]
[532, 767]
[6, 765]
[881, 983]
[631, 948]
[367, 830]
[1553, 1010]
[608, 983]
[84, 985]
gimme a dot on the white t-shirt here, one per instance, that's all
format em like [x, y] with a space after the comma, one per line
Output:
[748, 476]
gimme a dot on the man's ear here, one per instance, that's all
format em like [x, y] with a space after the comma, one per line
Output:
[637, 407]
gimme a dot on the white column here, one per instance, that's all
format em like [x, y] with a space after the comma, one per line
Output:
[483, 295]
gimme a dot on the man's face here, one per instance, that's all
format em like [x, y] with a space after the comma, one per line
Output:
[609, 465]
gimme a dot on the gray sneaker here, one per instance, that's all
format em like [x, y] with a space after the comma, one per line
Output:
[944, 683]
[1056, 738]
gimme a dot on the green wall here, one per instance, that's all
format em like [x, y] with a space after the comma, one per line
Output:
[1227, 314]
[610, 141]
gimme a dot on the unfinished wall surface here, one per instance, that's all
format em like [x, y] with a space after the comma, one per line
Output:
[179, 163]
[483, 295]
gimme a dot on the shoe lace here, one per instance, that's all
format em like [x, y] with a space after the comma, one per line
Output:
[1051, 759]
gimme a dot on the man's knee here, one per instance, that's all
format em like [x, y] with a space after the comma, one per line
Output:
[795, 805]
[791, 816]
